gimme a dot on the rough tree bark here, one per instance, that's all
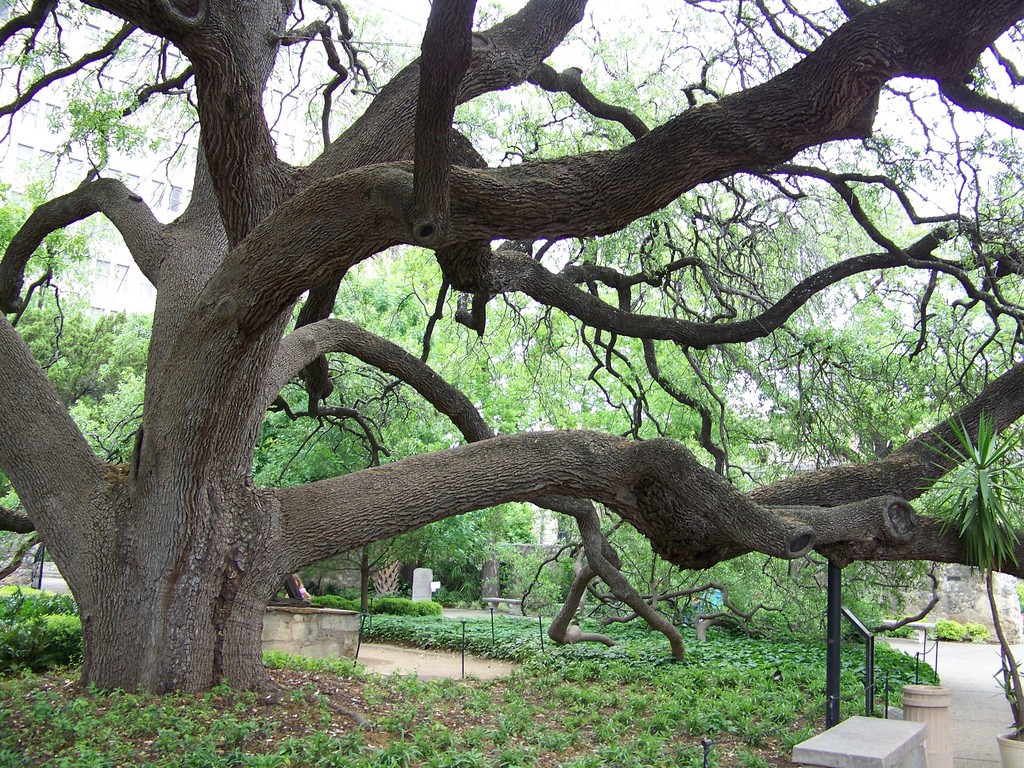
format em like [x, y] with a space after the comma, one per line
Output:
[173, 558]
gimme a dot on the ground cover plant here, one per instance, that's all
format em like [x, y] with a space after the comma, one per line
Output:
[630, 705]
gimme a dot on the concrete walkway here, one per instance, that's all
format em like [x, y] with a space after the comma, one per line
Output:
[978, 712]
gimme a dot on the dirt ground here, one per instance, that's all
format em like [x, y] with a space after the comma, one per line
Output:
[429, 665]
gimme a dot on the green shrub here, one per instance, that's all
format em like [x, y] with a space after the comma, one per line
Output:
[947, 629]
[26, 603]
[904, 632]
[336, 602]
[976, 633]
[40, 642]
[394, 606]
[403, 606]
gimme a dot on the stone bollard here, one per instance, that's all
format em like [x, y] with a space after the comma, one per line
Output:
[930, 704]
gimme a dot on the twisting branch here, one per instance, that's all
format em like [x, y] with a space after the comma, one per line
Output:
[126, 210]
[54, 75]
[887, 626]
[446, 52]
[707, 442]
[509, 272]
[570, 81]
[18, 556]
[33, 19]
[972, 101]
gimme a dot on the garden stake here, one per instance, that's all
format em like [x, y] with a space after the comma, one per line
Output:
[463, 649]
[540, 623]
[492, 629]
[706, 743]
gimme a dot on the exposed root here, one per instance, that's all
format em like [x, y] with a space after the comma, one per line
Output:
[272, 693]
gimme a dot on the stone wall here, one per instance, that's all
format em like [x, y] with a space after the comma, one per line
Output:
[962, 597]
[317, 633]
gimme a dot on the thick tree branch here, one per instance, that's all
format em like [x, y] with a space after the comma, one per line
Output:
[38, 435]
[32, 19]
[909, 471]
[447, 45]
[15, 520]
[141, 231]
[830, 95]
[656, 485]
[306, 343]
[972, 101]
[18, 556]
[570, 82]
[511, 272]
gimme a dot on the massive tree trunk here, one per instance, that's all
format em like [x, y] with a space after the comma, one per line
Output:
[173, 558]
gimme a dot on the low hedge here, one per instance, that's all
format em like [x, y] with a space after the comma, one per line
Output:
[394, 606]
[40, 643]
[25, 602]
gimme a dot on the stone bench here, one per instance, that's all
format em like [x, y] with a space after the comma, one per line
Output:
[494, 602]
[866, 742]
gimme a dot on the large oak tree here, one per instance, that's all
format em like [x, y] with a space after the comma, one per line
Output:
[173, 556]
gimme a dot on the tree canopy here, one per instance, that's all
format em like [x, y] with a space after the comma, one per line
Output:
[764, 232]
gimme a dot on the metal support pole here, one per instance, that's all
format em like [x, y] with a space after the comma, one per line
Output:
[869, 676]
[834, 616]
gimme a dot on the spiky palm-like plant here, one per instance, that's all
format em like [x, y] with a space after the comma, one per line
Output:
[981, 500]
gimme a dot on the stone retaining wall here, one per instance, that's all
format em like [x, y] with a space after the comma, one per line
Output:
[318, 633]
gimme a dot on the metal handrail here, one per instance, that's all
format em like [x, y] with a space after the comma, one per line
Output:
[869, 660]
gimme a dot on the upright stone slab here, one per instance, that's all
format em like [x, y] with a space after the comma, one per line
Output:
[421, 579]
[866, 742]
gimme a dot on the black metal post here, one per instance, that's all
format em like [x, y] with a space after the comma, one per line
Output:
[540, 623]
[886, 695]
[834, 615]
[869, 677]
[359, 639]
[706, 743]
[39, 562]
[492, 628]
[463, 648]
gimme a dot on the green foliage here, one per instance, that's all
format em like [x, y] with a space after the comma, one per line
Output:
[626, 706]
[27, 603]
[980, 500]
[38, 630]
[41, 642]
[977, 633]
[394, 606]
[947, 629]
[905, 632]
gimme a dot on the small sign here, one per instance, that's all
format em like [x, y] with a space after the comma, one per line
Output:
[435, 585]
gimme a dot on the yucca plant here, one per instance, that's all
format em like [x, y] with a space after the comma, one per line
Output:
[981, 501]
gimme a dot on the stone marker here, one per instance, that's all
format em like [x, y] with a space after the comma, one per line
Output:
[421, 579]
